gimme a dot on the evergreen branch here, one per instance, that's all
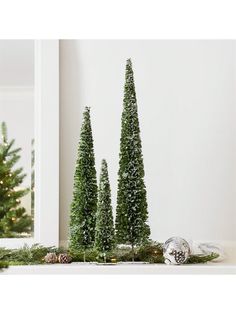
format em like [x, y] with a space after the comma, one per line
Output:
[199, 258]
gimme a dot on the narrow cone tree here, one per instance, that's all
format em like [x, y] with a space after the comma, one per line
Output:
[131, 214]
[84, 203]
[104, 236]
[14, 220]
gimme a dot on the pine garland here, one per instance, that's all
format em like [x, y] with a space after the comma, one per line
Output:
[3, 265]
[199, 258]
[27, 255]
[34, 255]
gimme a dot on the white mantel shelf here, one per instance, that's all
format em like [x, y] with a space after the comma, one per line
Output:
[121, 269]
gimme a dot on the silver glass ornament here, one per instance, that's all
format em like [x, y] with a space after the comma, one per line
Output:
[176, 251]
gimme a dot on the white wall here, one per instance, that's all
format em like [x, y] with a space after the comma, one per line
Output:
[16, 62]
[186, 99]
[17, 110]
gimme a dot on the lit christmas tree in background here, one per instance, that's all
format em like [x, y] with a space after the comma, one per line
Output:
[84, 204]
[131, 215]
[104, 235]
[14, 221]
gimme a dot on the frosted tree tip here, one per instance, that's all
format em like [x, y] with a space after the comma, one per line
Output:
[87, 109]
[4, 131]
[104, 162]
[3, 125]
[129, 62]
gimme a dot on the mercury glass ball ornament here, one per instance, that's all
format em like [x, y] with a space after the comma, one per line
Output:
[176, 251]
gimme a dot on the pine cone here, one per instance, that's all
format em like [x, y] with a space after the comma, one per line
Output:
[51, 258]
[64, 258]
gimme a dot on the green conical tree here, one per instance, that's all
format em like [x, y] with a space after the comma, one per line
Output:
[84, 203]
[131, 214]
[104, 235]
[14, 221]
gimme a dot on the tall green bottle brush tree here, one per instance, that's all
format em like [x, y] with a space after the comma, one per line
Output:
[14, 221]
[84, 203]
[131, 212]
[104, 235]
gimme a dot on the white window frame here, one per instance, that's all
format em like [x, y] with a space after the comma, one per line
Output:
[46, 91]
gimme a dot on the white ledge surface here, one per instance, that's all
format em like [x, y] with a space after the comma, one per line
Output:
[121, 269]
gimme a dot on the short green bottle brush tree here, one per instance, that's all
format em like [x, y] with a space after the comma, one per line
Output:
[14, 220]
[104, 235]
[131, 214]
[84, 203]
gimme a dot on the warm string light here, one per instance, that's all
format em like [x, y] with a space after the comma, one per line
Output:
[10, 182]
